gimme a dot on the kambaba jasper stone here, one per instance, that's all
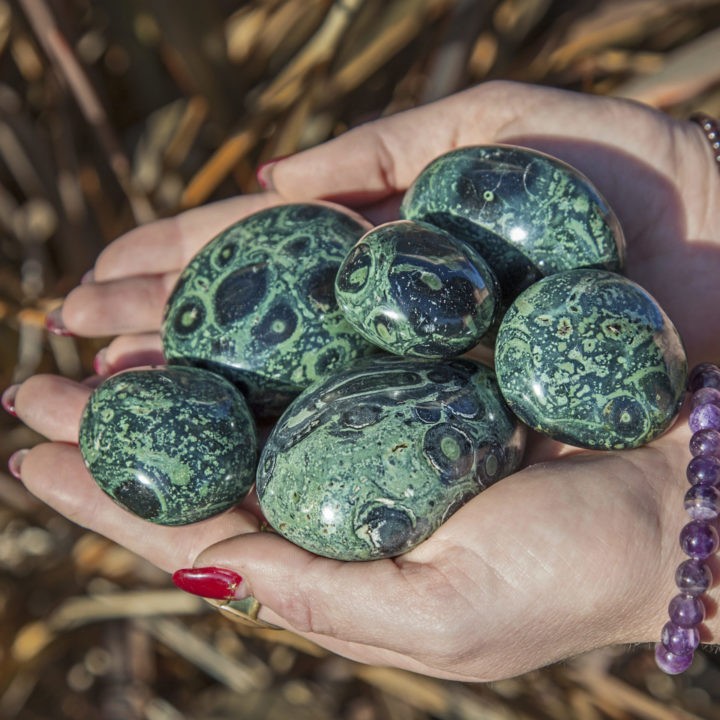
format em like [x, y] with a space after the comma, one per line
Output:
[172, 445]
[528, 214]
[257, 304]
[369, 462]
[412, 289]
[589, 358]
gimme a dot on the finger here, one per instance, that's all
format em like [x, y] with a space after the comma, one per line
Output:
[129, 305]
[383, 157]
[167, 245]
[56, 474]
[129, 351]
[52, 406]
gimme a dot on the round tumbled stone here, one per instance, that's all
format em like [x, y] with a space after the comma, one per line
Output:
[172, 445]
[528, 214]
[257, 304]
[412, 289]
[590, 359]
[369, 462]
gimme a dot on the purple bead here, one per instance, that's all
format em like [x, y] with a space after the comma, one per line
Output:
[679, 640]
[702, 502]
[705, 442]
[705, 396]
[693, 577]
[703, 471]
[705, 416]
[671, 663]
[699, 540]
[704, 375]
[686, 611]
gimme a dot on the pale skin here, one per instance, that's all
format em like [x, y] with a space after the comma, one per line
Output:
[574, 552]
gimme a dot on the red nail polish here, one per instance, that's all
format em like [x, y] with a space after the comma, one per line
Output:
[8, 400]
[54, 323]
[15, 462]
[264, 172]
[209, 582]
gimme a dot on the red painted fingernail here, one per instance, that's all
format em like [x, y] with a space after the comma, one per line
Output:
[54, 323]
[208, 582]
[88, 277]
[100, 365]
[15, 462]
[265, 170]
[8, 399]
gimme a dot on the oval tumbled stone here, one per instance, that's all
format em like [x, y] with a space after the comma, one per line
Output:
[257, 304]
[412, 289]
[172, 445]
[589, 358]
[369, 462]
[528, 214]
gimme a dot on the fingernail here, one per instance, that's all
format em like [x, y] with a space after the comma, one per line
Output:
[8, 399]
[100, 365]
[208, 582]
[54, 322]
[15, 462]
[88, 277]
[265, 171]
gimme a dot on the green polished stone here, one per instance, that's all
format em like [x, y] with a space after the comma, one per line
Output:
[412, 289]
[172, 445]
[589, 358]
[529, 215]
[257, 304]
[369, 462]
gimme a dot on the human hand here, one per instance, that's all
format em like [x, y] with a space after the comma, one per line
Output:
[562, 557]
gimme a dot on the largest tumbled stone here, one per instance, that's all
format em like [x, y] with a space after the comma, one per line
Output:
[369, 462]
[589, 358]
[257, 304]
[528, 214]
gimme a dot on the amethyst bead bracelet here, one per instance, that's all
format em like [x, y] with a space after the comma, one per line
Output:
[699, 538]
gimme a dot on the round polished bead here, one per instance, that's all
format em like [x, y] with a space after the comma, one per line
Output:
[679, 640]
[705, 442]
[704, 375]
[686, 611]
[693, 577]
[703, 471]
[705, 396]
[699, 540]
[705, 416]
[671, 663]
[702, 502]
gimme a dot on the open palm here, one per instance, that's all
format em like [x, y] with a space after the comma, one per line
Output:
[573, 552]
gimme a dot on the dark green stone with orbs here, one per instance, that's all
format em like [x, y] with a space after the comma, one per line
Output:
[257, 304]
[412, 289]
[369, 462]
[172, 445]
[529, 215]
[589, 358]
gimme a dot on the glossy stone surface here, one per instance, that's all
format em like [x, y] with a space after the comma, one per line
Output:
[368, 463]
[529, 215]
[171, 445]
[412, 289]
[589, 358]
[257, 304]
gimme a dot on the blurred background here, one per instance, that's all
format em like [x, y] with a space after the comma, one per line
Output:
[116, 112]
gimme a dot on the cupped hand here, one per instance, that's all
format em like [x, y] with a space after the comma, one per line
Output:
[563, 556]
